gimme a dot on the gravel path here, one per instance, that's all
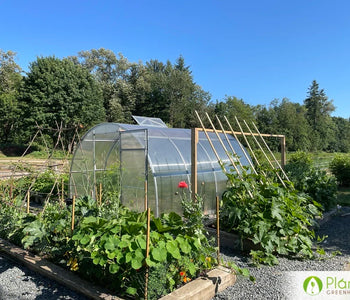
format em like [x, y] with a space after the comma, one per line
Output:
[269, 280]
[18, 282]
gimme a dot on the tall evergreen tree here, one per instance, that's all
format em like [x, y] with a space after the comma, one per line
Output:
[318, 110]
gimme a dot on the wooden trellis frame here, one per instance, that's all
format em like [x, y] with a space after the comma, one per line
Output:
[194, 145]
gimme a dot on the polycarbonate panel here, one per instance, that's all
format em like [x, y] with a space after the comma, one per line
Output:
[90, 157]
[165, 158]
[133, 153]
[102, 152]
[151, 122]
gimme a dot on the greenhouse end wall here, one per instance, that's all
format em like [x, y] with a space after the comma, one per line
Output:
[122, 157]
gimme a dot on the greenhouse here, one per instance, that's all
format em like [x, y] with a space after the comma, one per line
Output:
[149, 157]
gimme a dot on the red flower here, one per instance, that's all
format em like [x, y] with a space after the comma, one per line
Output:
[182, 273]
[182, 185]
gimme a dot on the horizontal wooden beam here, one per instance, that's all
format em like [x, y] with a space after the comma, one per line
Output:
[244, 133]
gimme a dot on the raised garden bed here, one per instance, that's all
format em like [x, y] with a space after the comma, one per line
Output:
[202, 288]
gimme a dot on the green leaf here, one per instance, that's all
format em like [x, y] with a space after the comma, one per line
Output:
[141, 241]
[136, 263]
[159, 254]
[85, 239]
[172, 247]
[131, 291]
[113, 268]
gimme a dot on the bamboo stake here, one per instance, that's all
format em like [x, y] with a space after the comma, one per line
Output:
[246, 140]
[209, 139]
[224, 147]
[214, 150]
[73, 212]
[28, 201]
[100, 197]
[11, 189]
[147, 249]
[96, 195]
[257, 130]
[62, 191]
[240, 144]
[218, 227]
[262, 150]
[228, 141]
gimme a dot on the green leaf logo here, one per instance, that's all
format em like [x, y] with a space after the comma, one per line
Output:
[312, 285]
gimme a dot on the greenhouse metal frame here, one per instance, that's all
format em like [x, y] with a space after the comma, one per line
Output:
[150, 158]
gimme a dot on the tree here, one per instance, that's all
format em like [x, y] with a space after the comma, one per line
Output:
[10, 81]
[111, 73]
[58, 91]
[318, 110]
[293, 124]
[233, 107]
[342, 137]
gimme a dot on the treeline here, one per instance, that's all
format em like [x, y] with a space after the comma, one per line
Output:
[77, 92]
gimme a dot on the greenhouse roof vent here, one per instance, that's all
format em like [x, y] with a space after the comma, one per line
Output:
[150, 122]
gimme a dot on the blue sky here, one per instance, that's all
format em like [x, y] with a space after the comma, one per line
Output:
[254, 50]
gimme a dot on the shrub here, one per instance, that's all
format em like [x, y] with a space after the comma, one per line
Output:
[340, 167]
[319, 185]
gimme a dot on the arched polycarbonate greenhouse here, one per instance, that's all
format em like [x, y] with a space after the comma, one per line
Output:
[124, 157]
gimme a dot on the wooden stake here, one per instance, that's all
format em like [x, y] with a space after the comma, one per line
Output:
[246, 140]
[224, 147]
[96, 195]
[147, 249]
[28, 201]
[11, 189]
[218, 227]
[240, 144]
[214, 150]
[100, 197]
[268, 148]
[209, 139]
[62, 193]
[266, 157]
[73, 212]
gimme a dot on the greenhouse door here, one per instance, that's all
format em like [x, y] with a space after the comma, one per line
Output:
[134, 168]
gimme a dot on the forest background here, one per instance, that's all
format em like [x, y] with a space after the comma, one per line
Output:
[77, 92]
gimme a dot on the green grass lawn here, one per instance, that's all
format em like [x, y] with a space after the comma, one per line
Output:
[344, 196]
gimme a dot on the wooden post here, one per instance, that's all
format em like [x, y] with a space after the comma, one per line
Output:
[73, 212]
[218, 227]
[28, 201]
[283, 152]
[147, 249]
[194, 180]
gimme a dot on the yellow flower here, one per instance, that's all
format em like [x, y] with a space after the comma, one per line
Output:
[70, 261]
